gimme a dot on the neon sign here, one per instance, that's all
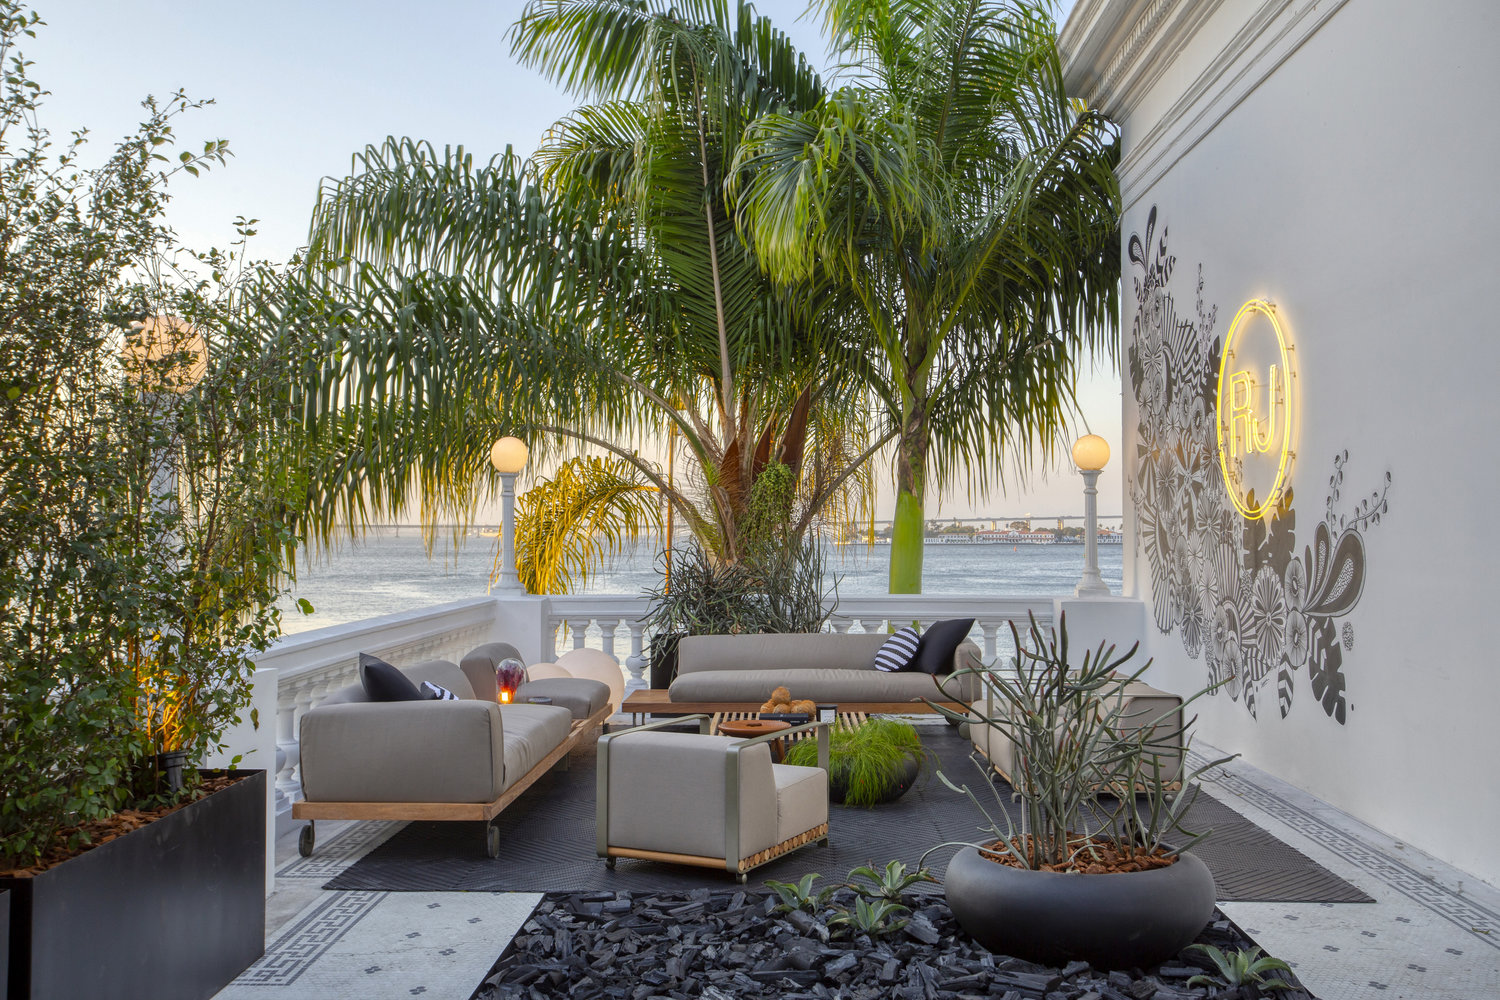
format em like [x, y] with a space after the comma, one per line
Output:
[1252, 432]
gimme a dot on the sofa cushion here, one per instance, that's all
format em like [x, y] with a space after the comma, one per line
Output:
[383, 682]
[844, 651]
[819, 684]
[579, 695]
[402, 752]
[939, 642]
[898, 651]
[801, 799]
[531, 732]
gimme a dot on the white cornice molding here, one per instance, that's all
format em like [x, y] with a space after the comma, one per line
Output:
[1115, 50]
[1136, 41]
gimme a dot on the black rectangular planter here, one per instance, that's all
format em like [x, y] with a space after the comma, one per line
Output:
[172, 911]
[4, 944]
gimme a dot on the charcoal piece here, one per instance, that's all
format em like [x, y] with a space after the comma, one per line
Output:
[841, 965]
[1030, 983]
[802, 920]
[921, 929]
[963, 982]
[1075, 969]
[1144, 989]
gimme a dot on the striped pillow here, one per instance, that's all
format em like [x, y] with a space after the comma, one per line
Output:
[435, 692]
[898, 650]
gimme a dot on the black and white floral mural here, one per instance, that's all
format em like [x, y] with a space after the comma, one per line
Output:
[1261, 601]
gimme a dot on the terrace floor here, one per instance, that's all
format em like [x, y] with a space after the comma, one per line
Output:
[1433, 931]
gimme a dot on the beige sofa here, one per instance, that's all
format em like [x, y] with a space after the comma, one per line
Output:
[436, 760]
[828, 667]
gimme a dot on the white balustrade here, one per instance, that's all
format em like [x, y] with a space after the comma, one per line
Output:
[595, 620]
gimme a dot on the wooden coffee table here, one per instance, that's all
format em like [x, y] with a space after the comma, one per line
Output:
[745, 729]
[657, 701]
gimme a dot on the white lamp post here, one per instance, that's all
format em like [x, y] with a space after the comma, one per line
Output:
[166, 357]
[1090, 453]
[508, 456]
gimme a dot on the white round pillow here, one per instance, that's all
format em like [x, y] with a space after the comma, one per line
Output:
[596, 665]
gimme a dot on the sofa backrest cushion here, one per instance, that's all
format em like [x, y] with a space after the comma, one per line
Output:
[439, 672]
[480, 664]
[772, 651]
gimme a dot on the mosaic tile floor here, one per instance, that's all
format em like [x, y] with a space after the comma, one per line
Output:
[1432, 932]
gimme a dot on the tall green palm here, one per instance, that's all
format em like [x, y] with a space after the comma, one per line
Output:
[961, 215]
[597, 294]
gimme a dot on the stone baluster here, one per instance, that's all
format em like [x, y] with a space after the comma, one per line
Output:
[637, 661]
[607, 628]
[839, 625]
[872, 624]
[990, 628]
[580, 627]
[286, 746]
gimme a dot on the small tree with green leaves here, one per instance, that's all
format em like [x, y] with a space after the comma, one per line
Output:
[143, 513]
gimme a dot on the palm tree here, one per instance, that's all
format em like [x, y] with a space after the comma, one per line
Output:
[597, 294]
[961, 216]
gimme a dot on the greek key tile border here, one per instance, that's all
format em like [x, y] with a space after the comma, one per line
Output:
[294, 952]
[341, 851]
[1478, 921]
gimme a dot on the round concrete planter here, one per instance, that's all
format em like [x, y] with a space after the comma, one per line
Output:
[1122, 921]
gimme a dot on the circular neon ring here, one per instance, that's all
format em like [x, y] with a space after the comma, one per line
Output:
[1247, 310]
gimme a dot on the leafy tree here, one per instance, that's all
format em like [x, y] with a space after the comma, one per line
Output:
[594, 296]
[140, 537]
[959, 216]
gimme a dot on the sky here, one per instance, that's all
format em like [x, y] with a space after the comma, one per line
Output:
[301, 85]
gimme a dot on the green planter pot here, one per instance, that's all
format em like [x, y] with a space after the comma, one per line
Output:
[172, 911]
[1120, 921]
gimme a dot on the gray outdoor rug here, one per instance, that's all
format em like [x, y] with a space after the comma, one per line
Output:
[547, 840]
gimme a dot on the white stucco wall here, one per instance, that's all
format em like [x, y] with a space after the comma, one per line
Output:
[1341, 160]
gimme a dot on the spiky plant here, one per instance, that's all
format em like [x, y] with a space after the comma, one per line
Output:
[1240, 967]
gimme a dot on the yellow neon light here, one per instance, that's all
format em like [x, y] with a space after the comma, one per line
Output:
[1234, 411]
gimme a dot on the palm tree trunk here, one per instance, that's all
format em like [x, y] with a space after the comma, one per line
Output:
[911, 489]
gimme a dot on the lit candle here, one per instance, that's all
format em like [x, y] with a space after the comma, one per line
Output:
[504, 697]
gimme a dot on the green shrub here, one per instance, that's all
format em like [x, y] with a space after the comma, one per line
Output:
[143, 524]
[865, 759]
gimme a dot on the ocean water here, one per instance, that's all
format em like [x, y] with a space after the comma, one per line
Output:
[391, 571]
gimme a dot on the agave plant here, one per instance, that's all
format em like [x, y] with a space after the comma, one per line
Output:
[1240, 967]
[889, 883]
[1075, 737]
[801, 895]
[870, 916]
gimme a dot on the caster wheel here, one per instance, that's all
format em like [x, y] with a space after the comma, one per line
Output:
[492, 841]
[610, 863]
[741, 877]
[305, 841]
